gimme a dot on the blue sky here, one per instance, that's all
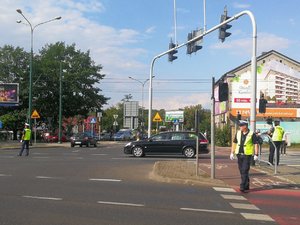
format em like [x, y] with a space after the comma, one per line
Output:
[124, 36]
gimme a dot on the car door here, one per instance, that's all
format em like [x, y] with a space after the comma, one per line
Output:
[176, 142]
[157, 143]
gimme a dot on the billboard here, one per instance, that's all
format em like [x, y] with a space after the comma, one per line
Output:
[172, 116]
[278, 82]
[9, 94]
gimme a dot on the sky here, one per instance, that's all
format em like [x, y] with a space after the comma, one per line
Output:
[124, 36]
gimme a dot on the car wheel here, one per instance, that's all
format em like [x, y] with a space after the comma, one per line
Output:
[80, 146]
[189, 152]
[138, 151]
[95, 145]
[72, 146]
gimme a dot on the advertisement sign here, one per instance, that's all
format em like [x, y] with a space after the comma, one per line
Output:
[277, 81]
[9, 94]
[270, 112]
[172, 116]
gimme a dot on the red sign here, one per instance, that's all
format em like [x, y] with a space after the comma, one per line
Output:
[242, 100]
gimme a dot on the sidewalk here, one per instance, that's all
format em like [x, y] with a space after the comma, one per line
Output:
[262, 176]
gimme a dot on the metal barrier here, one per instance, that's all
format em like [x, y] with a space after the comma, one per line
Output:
[267, 139]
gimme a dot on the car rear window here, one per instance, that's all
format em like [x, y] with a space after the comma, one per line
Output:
[178, 136]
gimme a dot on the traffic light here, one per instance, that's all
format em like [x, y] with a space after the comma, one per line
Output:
[223, 29]
[195, 45]
[223, 92]
[262, 105]
[171, 55]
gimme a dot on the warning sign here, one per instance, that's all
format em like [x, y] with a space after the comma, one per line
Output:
[35, 115]
[157, 118]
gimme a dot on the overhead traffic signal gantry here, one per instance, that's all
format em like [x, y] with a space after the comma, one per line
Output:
[171, 54]
[223, 29]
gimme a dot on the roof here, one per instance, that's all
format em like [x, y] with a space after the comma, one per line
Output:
[262, 56]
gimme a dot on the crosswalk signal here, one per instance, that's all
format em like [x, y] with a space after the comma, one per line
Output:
[223, 29]
[171, 55]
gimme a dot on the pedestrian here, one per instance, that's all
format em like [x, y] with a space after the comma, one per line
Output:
[277, 136]
[25, 140]
[244, 146]
[284, 144]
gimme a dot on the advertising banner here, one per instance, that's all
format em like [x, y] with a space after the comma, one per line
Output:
[173, 116]
[9, 94]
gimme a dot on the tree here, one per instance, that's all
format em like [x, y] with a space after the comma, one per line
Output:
[108, 117]
[189, 118]
[81, 77]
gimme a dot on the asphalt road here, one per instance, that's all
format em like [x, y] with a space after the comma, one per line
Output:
[103, 186]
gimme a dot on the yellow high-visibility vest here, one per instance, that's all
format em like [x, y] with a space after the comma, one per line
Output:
[27, 134]
[278, 133]
[248, 144]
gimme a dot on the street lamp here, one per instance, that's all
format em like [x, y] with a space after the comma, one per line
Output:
[143, 85]
[32, 28]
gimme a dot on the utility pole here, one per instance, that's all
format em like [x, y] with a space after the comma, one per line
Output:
[212, 135]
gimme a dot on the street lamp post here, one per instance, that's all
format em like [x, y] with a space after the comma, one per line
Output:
[32, 28]
[60, 104]
[143, 85]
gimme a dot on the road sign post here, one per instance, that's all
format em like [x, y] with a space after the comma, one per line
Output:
[35, 115]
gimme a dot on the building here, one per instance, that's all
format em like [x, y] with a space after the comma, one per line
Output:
[278, 80]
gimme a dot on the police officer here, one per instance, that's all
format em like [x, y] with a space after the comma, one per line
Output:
[244, 146]
[25, 140]
[277, 136]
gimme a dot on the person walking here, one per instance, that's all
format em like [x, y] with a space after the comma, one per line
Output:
[284, 144]
[244, 146]
[277, 139]
[25, 140]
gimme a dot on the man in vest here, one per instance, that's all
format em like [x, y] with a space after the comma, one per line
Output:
[25, 140]
[277, 136]
[244, 146]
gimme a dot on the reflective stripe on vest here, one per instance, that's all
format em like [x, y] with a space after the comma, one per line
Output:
[248, 145]
[27, 134]
[278, 133]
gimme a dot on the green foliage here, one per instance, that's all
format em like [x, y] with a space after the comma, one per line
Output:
[108, 117]
[189, 118]
[223, 136]
[81, 79]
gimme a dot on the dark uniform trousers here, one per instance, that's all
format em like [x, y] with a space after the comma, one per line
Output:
[272, 152]
[244, 167]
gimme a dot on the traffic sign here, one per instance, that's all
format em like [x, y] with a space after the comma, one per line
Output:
[93, 120]
[35, 115]
[115, 116]
[115, 123]
[157, 118]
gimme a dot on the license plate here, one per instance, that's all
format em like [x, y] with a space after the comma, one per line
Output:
[77, 142]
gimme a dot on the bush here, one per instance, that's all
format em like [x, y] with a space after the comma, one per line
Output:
[223, 136]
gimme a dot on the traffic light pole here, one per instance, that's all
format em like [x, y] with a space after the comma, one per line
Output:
[253, 66]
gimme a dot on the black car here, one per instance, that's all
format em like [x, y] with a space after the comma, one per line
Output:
[83, 139]
[168, 143]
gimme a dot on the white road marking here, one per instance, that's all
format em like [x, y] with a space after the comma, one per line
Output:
[253, 216]
[7, 157]
[220, 189]
[121, 204]
[75, 151]
[152, 159]
[106, 180]
[207, 210]
[234, 197]
[45, 177]
[79, 157]
[294, 165]
[99, 154]
[42, 198]
[244, 206]
[5, 175]
[38, 153]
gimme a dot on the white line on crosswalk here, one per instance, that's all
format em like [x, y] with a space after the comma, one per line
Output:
[234, 197]
[105, 180]
[222, 189]
[244, 206]
[253, 216]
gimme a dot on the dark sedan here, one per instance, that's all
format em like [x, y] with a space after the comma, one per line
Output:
[168, 143]
[83, 139]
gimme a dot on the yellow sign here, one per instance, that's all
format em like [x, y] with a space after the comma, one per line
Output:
[35, 115]
[157, 118]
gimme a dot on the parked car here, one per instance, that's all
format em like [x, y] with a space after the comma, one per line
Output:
[105, 136]
[83, 139]
[52, 138]
[123, 135]
[168, 143]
